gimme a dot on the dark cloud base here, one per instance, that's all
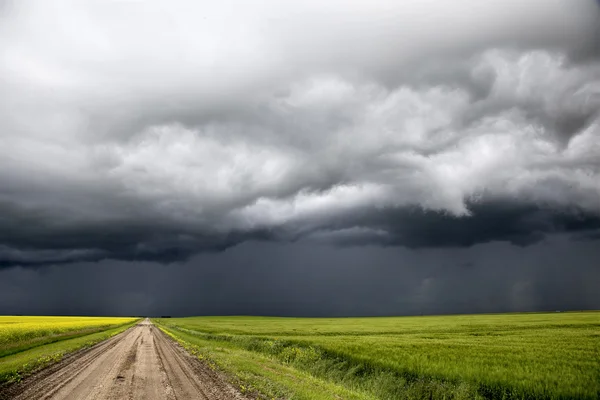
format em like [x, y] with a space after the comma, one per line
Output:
[33, 239]
[517, 223]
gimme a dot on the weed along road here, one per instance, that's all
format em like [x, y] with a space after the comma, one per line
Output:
[140, 363]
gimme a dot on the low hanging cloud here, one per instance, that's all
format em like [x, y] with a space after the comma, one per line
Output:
[134, 131]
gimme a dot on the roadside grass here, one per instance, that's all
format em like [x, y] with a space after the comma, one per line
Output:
[501, 356]
[40, 341]
[261, 375]
[32, 351]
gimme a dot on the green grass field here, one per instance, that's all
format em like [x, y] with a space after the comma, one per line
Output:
[499, 356]
[28, 343]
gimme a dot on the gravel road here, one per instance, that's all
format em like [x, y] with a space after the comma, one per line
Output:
[140, 363]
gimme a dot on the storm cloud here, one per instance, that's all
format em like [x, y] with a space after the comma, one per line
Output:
[146, 131]
[303, 279]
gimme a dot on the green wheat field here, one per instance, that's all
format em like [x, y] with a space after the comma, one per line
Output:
[496, 356]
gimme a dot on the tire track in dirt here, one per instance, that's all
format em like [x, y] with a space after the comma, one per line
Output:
[140, 363]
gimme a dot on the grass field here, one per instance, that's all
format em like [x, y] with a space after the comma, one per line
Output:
[27, 343]
[500, 356]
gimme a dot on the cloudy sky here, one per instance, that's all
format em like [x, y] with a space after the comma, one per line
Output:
[299, 157]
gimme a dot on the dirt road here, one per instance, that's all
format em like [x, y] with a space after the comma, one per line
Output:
[140, 363]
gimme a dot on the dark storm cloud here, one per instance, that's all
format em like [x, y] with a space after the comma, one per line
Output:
[33, 239]
[312, 280]
[130, 131]
[518, 224]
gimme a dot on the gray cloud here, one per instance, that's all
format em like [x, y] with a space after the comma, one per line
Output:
[138, 131]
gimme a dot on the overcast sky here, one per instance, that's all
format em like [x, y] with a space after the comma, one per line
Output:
[299, 158]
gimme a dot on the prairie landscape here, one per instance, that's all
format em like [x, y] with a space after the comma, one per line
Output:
[496, 356]
[299, 200]
[486, 356]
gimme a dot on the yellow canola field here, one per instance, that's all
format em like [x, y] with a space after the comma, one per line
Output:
[17, 329]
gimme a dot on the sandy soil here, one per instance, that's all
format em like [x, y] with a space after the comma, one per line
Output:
[140, 363]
